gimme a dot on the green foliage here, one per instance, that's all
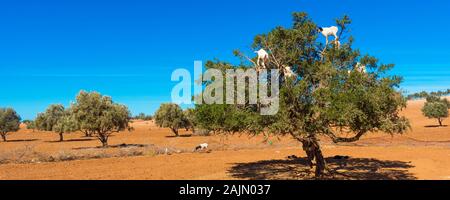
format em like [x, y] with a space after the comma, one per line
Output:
[143, 116]
[47, 120]
[436, 110]
[66, 124]
[171, 116]
[9, 122]
[30, 124]
[328, 97]
[190, 120]
[99, 115]
[425, 95]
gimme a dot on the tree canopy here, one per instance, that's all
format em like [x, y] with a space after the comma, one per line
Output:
[328, 98]
[47, 120]
[171, 116]
[9, 122]
[67, 123]
[99, 115]
[436, 110]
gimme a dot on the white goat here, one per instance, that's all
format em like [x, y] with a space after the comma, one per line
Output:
[289, 73]
[263, 57]
[359, 68]
[329, 31]
[202, 147]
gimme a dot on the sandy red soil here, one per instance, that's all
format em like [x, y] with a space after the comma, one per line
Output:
[423, 153]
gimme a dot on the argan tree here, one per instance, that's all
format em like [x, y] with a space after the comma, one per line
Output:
[190, 121]
[66, 124]
[99, 115]
[171, 116]
[47, 120]
[30, 124]
[436, 110]
[9, 122]
[328, 98]
[143, 116]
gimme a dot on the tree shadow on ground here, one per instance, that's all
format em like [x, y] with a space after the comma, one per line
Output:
[30, 140]
[119, 146]
[436, 126]
[72, 140]
[180, 136]
[339, 169]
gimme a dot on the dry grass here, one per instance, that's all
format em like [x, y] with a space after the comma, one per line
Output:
[28, 154]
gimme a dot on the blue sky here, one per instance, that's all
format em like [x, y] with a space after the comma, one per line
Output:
[49, 50]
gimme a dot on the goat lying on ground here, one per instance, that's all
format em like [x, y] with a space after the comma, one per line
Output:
[329, 31]
[201, 147]
[263, 57]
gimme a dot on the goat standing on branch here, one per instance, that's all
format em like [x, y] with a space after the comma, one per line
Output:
[330, 31]
[361, 68]
[289, 73]
[263, 57]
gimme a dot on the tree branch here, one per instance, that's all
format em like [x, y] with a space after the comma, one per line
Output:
[337, 139]
[246, 57]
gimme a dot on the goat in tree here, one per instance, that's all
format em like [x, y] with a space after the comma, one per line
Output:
[263, 57]
[330, 31]
[359, 68]
[289, 73]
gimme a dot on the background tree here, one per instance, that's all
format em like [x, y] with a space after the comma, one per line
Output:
[191, 122]
[327, 99]
[100, 116]
[9, 122]
[30, 124]
[47, 120]
[66, 124]
[436, 110]
[143, 116]
[171, 116]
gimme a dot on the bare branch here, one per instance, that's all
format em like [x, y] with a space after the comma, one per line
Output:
[337, 139]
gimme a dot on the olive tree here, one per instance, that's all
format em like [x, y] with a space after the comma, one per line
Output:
[328, 98]
[171, 116]
[30, 124]
[436, 110]
[190, 121]
[9, 122]
[99, 115]
[66, 124]
[47, 120]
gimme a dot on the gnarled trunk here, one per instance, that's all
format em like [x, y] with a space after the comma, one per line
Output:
[87, 133]
[61, 137]
[4, 137]
[175, 131]
[312, 148]
[103, 139]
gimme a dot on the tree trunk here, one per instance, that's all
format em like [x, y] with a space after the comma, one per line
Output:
[312, 148]
[4, 137]
[87, 133]
[440, 121]
[104, 140]
[175, 131]
[105, 143]
[61, 137]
